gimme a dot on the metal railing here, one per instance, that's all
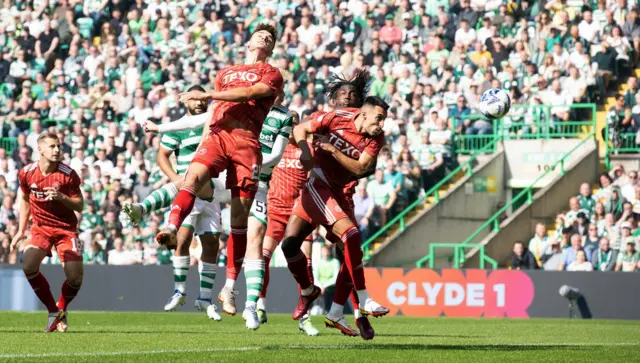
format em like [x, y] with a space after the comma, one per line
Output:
[531, 122]
[433, 192]
[458, 254]
[9, 144]
[525, 196]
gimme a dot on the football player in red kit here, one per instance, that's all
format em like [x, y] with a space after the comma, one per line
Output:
[51, 196]
[348, 140]
[244, 95]
[288, 178]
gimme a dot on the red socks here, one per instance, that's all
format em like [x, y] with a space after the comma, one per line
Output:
[236, 249]
[353, 256]
[310, 270]
[40, 286]
[67, 295]
[182, 206]
[266, 254]
[298, 267]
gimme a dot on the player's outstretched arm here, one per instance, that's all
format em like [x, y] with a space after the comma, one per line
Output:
[184, 123]
[239, 94]
[300, 133]
[271, 159]
[25, 213]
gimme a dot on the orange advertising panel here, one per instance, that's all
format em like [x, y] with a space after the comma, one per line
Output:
[450, 292]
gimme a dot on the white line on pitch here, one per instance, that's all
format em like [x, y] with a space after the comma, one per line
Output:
[292, 347]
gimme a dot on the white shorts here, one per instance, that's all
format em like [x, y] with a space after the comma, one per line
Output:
[204, 218]
[259, 206]
[220, 192]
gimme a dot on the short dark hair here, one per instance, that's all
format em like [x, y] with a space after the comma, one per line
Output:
[195, 88]
[268, 28]
[376, 101]
[47, 135]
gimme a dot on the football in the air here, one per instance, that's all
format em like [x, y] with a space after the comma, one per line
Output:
[494, 103]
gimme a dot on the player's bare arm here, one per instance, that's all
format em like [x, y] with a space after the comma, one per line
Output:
[165, 165]
[25, 213]
[75, 203]
[239, 94]
[300, 133]
[357, 167]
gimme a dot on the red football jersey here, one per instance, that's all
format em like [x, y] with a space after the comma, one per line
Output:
[287, 179]
[50, 213]
[340, 128]
[252, 113]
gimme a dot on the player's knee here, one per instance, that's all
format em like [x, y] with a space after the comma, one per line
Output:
[75, 280]
[30, 269]
[291, 246]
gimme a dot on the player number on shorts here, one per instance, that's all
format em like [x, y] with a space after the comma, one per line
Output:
[255, 173]
[261, 207]
[74, 245]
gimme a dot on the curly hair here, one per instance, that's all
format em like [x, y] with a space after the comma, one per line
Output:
[360, 81]
[268, 28]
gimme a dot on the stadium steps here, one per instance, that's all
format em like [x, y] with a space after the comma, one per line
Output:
[415, 212]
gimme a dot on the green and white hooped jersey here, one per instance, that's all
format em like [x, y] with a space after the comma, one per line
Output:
[184, 144]
[279, 122]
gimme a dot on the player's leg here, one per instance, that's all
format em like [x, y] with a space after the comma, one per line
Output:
[297, 230]
[350, 236]
[181, 262]
[207, 268]
[305, 324]
[31, 260]
[71, 258]
[269, 245]
[209, 228]
[197, 176]
[254, 266]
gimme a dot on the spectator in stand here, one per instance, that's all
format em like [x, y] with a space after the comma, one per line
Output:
[628, 189]
[570, 254]
[580, 263]
[430, 161]
[539, 243]
[396, 179]
[605, 191]
[363, 211]
[591, 240]
[604, 258]
[628, 258]
[614, 204]
[521, 258]
[383, 194]
[552, 259]
[325, 273]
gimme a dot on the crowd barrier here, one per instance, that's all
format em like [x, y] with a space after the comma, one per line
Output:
[408, 292]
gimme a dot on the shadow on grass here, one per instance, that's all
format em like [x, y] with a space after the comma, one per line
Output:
[451, 347]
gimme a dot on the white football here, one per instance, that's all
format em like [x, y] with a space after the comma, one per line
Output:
[494, 103]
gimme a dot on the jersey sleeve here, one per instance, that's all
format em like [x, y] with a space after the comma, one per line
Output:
[22, 180]
[321, 121]
[375, 146]
[273, 79]
[74, 185]
[169, 141]
[286, 127]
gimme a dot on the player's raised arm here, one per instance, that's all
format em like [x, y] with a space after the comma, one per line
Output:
[300, 133]
[184, 123]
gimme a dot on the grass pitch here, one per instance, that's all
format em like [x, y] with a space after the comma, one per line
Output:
[191, 337]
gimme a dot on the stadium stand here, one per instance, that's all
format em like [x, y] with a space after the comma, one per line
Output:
[93, 70]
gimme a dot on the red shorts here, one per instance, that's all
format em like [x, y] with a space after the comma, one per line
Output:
[238, 152]
[276, 226]
[320, 205]
[66, 242]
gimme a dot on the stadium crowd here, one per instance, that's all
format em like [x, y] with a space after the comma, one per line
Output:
[93, 70]
[599, 231]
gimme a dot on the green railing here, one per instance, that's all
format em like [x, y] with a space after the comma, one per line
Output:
[625, 143]
[9, 144]
[433, 192]
[525, 196]
[531, 122]
[458, 255]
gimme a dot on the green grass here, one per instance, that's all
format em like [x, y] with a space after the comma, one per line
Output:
[182, 337]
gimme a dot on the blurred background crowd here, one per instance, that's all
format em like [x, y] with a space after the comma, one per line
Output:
[93, 70]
